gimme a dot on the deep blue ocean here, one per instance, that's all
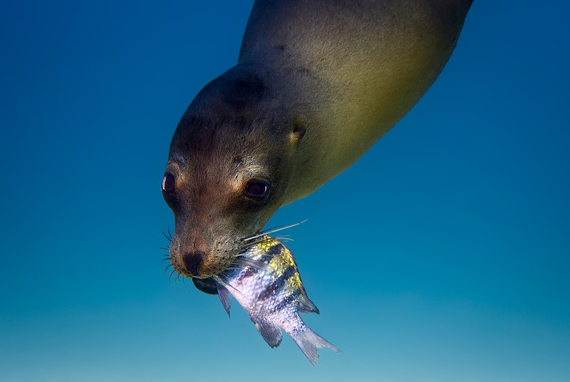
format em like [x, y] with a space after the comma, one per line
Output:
[442, 255]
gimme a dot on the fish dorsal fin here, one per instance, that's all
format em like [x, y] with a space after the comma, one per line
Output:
[305, 305]
[271, 332]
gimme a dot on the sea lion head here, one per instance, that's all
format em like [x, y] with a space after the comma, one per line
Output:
[227, 171]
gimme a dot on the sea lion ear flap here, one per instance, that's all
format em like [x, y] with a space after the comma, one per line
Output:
[298, 130]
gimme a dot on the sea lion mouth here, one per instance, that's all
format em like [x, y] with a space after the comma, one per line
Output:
[208, 286]
[201, 267]
[199, 262]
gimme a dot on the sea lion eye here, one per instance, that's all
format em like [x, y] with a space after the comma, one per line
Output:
[168, 183]
[257, 189]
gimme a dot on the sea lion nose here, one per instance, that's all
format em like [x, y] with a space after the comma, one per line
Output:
[192, 261]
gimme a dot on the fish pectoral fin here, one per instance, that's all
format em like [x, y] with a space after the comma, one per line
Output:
[270, 332]
[225, 298]
[223, 293]
[257, 265]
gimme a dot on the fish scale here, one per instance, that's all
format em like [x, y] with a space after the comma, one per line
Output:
[265, 281]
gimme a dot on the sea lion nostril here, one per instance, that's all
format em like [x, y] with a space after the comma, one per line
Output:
[192, 261]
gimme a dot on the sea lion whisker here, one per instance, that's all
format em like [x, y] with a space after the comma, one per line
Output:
[168, 235]
[239, 263]
[242, 247]
[254, 241]
[272, 230]
[245, 247]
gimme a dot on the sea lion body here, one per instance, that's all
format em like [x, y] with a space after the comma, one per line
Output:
[316, 85]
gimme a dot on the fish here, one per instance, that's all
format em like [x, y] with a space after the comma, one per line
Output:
[265, 281]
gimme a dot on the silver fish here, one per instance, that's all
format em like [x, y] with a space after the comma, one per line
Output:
[266, 282]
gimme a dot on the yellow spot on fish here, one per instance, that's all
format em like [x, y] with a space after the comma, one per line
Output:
[279, 263]
[264, 245]
[294, 282]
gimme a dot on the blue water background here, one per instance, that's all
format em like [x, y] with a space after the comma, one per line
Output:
[442, 255]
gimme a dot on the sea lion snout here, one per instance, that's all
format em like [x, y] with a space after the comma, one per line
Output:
[196, 263]
[193, 254]
[192, 262]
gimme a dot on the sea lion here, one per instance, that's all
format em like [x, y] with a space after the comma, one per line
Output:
[317, 83]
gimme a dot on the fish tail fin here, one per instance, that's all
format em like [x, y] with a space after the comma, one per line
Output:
[309, 341]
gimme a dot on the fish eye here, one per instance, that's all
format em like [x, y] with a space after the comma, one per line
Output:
[257, 189]
[168, 183]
